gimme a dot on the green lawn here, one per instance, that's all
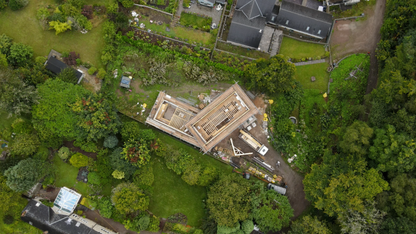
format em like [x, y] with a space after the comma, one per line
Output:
[23, 27]
[192, 20]
[297, 49]
[304, 73]
[172, 195]
[66, 175]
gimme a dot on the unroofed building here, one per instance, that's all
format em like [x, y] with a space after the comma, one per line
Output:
[207, 127]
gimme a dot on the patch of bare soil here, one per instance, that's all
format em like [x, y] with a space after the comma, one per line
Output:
[154, 15]
[352, 36]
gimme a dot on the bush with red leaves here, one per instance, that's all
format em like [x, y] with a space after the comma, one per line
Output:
[87, 12]
[71, 59]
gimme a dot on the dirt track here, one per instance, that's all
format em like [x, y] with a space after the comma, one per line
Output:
[362, 36]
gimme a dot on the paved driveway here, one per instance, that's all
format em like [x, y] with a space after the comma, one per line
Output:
[201, 10]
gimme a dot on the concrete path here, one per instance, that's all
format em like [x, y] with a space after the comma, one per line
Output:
[310, 62]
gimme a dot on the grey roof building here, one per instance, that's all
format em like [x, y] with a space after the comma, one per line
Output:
[249, 20]
[56, 66]
[45, 219]
[304, 20]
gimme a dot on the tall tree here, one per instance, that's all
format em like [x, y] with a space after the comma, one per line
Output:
[25, 174]
[228, 200]
[270, 210]
[15, 96]
[342, 183]
[271, 76]
[368, 221]
[136, 152]
[53, 115]
[356, 139]
[97, 117]
[309, 225]
[393, 151]
[118, 163]
[20, 54]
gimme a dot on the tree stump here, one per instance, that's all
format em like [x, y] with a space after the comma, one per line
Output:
[313, 78]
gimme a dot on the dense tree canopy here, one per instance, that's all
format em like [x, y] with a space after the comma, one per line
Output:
[97, 117]
[270, 210]
[270, 76]
[393, 151]
[309, 225]
[228, 200]
[15, 96]
[53, 114]
[118, 162]
[25, 174]
[342, 183]
[356, 139]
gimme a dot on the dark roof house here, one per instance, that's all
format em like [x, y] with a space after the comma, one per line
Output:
[249, 20]
[45, 219]
[304, 20]
[56, 66]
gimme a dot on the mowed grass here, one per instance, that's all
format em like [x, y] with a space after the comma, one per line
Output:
[304, 73]
[23, 27]
[172, 195]
[194, 20]
[66, 175]
[297, 49]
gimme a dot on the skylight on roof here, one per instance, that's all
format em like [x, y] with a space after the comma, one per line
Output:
[67, 200]
[307, 29]
[319, 32]
[287, 22]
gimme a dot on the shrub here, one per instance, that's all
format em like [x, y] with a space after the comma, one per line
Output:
[79, 160]
[64, 152]
[208, 175]
[59, 27]
[40, 60]
[87, 12]
[20, 126]
[126, 3]
[92, 70]
[118, 174]
[3, 4]
[144, 176]
[154, 224]
[110, 142]
[42, 13]
[17, 4]
[49, 180]
[101, 73]
[20, 54]
[83, 22]
[71, 59]
[93, 178]
[86, 146]
[247, 226]
[105, 207]
[77, 3]
[8, 219]
[42, 153]
[78, 61]
[57, 17]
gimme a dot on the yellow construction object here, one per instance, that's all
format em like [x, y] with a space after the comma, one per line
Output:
[325, 95]
[271, 101]
[265, 117]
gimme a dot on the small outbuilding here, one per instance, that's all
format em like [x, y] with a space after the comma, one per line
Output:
[56, 66]
[125, 82]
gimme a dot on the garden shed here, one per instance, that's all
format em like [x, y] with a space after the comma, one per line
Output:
[125, 82]
[56, 66]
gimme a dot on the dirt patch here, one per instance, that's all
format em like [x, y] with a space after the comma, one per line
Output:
[154, 15]
[352, 36]
[91, 80]
[70, 145]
